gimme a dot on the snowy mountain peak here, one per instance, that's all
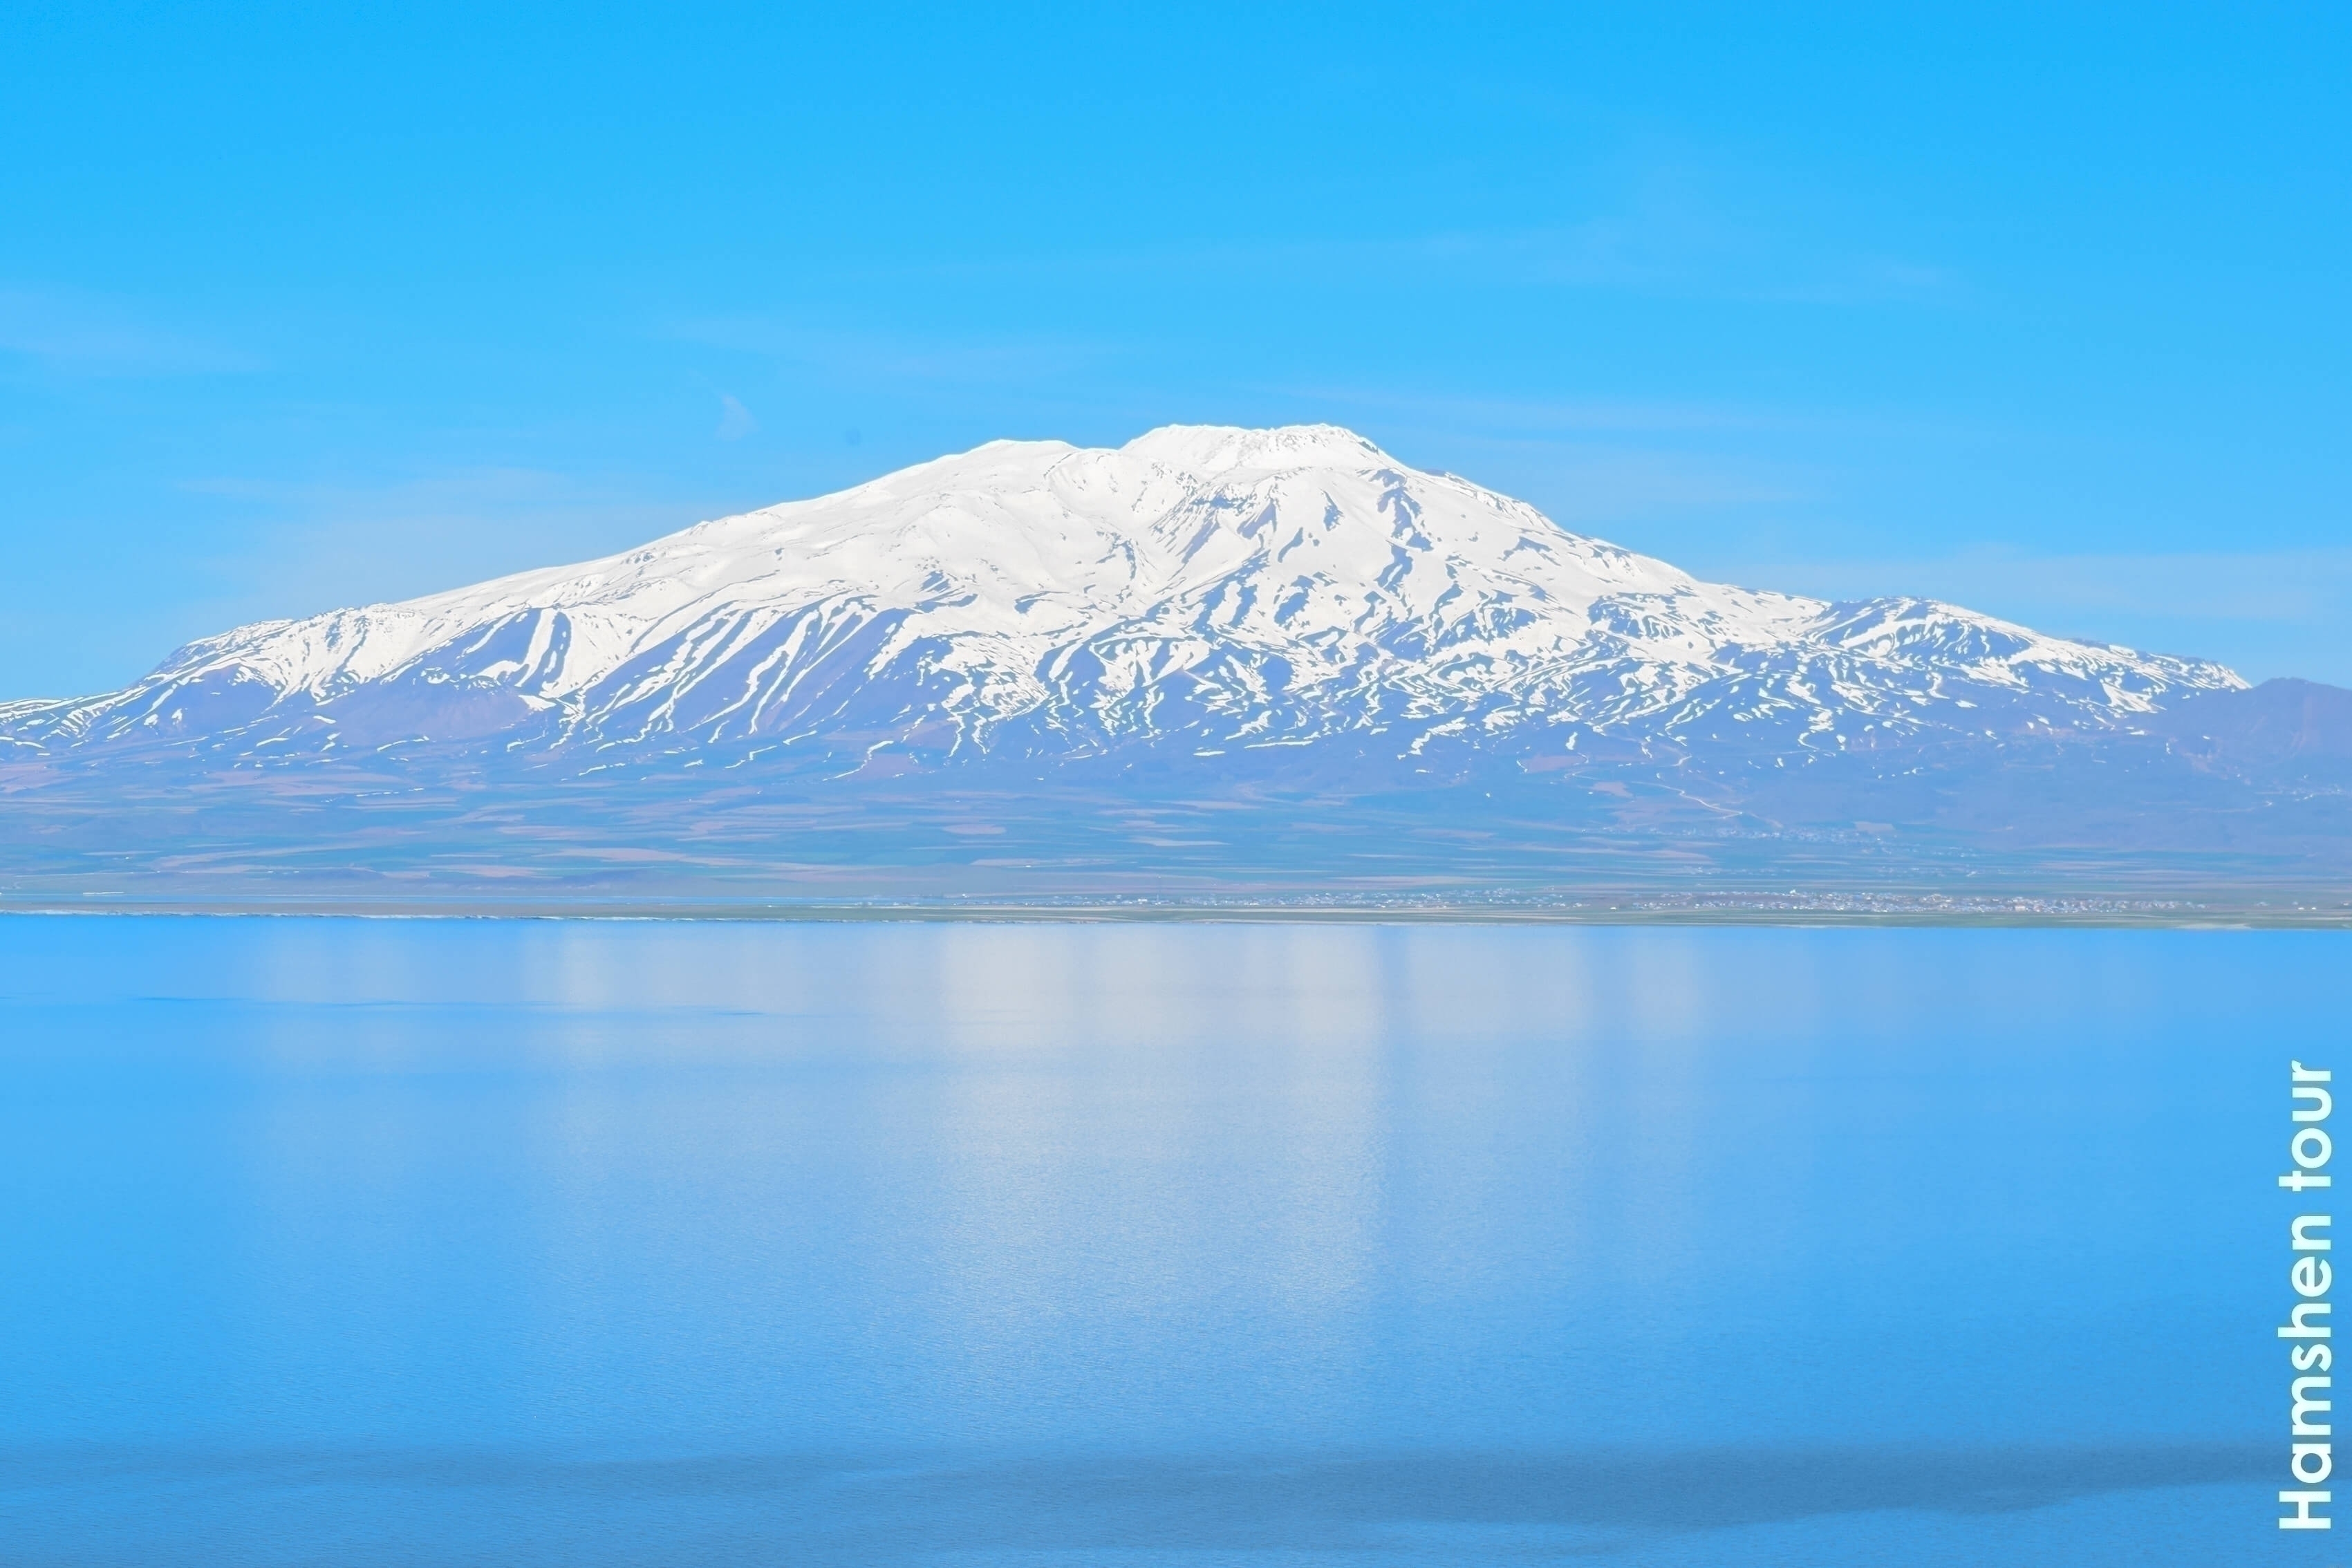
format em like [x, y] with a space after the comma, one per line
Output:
[1201, 588]
[1216, 450]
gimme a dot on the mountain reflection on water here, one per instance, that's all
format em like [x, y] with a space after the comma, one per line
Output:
[571, 1242]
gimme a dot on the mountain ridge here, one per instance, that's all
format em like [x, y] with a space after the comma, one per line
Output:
[1214, 669]
[1219, 584]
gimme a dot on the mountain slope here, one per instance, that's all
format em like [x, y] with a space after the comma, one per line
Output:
[1198, 589]
[1211, 668]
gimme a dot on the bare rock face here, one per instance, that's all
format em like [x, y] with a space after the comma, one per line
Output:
[2281, 729]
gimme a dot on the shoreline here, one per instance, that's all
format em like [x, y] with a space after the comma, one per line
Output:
[2056, 913]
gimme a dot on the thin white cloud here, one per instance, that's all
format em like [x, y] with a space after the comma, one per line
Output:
[79, 333]
[1641, 252]
[2265, 613]
[1669, 226]
[887, 357]
[735, 421]
[2279, 585]
[1512, 419]
[313, 546]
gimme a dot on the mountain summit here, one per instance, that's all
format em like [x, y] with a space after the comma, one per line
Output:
[1212, 666]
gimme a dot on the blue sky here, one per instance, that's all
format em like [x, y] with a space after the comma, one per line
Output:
[2042, 311]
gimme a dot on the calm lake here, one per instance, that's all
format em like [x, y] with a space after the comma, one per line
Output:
[358, 1243]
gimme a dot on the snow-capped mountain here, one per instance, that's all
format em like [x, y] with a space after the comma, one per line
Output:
[1200, 589]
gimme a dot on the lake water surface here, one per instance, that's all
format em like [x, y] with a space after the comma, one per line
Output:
[364, 1243]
